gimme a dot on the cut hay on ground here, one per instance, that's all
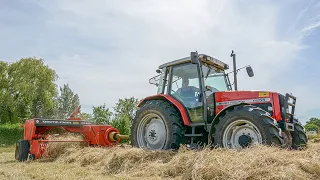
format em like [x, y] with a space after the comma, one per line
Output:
[54, 149]
[256, 163]
[132, 163]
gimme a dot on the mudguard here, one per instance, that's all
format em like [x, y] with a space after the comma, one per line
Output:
[170, 99]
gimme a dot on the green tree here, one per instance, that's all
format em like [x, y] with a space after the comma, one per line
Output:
[313, 125]
[87, 116]
[125, 110]
[67, 102]
[7, 105]
[315, 121]
[127, 107]
[32, 84]
[122, 123]
[101, 114]
[27, 90]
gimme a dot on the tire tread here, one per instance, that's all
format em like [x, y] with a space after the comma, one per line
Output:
[23, 153]
[267, 123]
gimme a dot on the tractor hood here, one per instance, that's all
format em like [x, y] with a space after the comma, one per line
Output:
[234, 97]
[267, 100]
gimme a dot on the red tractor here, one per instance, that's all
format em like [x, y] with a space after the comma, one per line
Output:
[195, 105]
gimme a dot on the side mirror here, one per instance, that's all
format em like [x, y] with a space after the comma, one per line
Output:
[158, 71]
[194, 57]
[250, 71]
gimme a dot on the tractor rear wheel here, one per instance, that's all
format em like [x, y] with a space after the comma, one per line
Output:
[245, 126]
[158, 126]
[22, 150]
[299, 136]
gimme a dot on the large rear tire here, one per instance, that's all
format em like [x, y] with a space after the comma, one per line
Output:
[299, 136]
[22, 150]
[245, 126]
[158, 126]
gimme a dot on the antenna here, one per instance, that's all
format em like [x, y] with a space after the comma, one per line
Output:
[233, 55]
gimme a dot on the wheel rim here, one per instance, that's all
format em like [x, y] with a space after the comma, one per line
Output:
[241, 134]
[151, 132]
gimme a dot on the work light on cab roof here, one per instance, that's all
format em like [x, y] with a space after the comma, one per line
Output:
[194, 58]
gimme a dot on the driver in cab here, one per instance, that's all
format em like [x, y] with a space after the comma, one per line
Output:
[188, 93]
[186, 90]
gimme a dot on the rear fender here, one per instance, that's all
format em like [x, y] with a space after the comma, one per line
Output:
[216, 118]
[173, 101]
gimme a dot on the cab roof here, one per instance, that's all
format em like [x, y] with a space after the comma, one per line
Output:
[202, 57]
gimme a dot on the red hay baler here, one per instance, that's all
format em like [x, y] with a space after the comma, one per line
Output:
[36, 139]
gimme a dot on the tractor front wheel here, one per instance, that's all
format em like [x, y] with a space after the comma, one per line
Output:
[245, 126]
[299, 136]
[22, 150]
[158, 126]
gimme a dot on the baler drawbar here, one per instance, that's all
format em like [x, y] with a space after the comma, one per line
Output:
[35, 140]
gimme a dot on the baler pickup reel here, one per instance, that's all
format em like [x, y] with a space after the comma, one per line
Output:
[36, 139]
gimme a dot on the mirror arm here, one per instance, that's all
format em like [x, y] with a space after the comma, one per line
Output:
[238, 69]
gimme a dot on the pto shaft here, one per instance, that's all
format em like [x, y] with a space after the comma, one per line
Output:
[114, 136]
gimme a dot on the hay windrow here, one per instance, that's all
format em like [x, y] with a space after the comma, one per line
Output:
[316, 140]
[54, 149]
[256, 163]
[125, 162]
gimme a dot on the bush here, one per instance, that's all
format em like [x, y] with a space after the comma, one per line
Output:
[9, 134]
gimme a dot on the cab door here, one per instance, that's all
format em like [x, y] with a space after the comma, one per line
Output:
[185, 86]
[214, 80]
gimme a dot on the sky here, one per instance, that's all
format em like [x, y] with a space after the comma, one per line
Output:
[106, 50]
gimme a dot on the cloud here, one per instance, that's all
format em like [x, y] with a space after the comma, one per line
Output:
[311, 27]
[302, 13]
[108, 50]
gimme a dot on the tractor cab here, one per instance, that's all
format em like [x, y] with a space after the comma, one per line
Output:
[193, 82]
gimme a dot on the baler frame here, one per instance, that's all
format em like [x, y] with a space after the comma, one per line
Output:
[94, 135]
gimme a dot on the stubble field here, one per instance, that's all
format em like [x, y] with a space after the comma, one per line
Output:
[69, 161]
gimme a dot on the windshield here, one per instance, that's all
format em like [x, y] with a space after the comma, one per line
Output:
[214, 78]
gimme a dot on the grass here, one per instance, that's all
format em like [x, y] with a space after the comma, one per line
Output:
[124, 162]
[314, 136]
[7, 149]
[9, 134]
